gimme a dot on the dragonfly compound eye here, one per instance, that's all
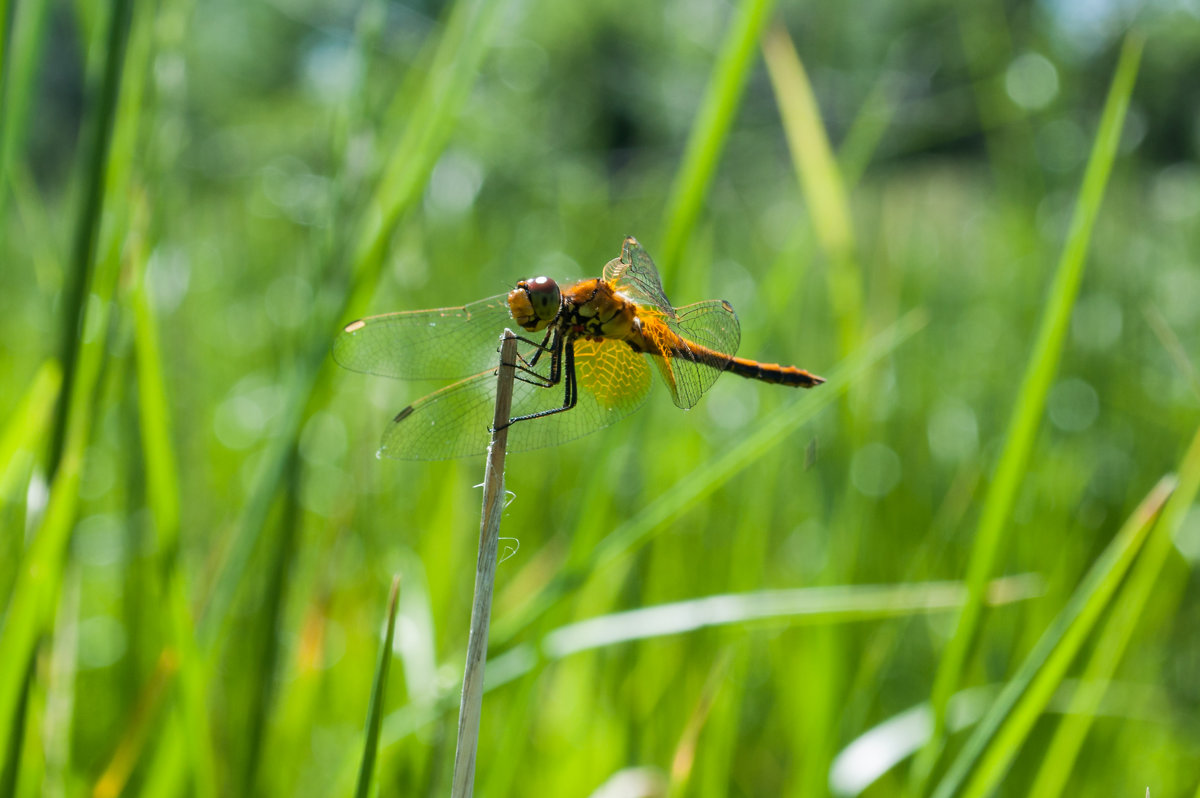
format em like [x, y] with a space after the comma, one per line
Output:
[534, 303]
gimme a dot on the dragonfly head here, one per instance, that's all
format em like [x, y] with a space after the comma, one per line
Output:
[534, 303]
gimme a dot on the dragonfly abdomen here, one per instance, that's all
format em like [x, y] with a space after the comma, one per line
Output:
[750, 369]
[773, 373]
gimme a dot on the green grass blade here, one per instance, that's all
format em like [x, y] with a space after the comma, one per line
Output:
[820, 181]
[162, 495]
[866, 131]
[154, 417]
[1031, 397]
[87, 226]
[452, 72]
[262, 657]
[6, 24]
[710, 130]
[23, 34]
[378, 688]
[771, 432]
[1144, 581]
[1025, 696]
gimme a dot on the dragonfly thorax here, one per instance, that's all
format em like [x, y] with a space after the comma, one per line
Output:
[535, 303]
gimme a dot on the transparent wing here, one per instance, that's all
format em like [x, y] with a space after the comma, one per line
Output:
[699, 342]
[455, 422]
[444, 343]
[634, 275]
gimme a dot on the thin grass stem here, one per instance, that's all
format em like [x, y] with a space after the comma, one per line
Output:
[485, 576]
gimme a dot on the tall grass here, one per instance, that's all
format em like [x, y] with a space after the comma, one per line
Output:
[197, 537]
[34, 593]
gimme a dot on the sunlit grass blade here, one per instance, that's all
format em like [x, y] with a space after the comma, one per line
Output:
[820, 180]
[1144, 581]
[431, 120]
[27, 425]
[378, 688]
[710, 130]
[823, 605]
[853, 156]
[41, 572]
[154, 408]
[768, 434]
[1025, 696]
[876, 751]
[1031, 397]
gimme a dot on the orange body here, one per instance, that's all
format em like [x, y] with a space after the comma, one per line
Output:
[592, 309]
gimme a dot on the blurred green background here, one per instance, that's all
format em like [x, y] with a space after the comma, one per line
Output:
[198, 539]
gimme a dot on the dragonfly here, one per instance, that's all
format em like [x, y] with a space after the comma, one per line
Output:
[589, 366]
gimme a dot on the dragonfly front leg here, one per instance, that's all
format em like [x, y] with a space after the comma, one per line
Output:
[541, 348]
[527, 366]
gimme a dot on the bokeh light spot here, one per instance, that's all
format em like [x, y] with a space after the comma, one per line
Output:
[323, 438]
[952, 430]
[1061, 145]
[1178, 295]
[1176, 192]
[1031, 81]
[875, 470]
[289, 301]
[98, 540]
[1187, 536]
[239, 422]
[1097, 321]
[1073, 405]
[454, 184]
[102, 641]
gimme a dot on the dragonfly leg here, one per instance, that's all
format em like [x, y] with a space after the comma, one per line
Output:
[556, 374]
[527, 366]
[567, 373]
[545, 346]
[533, 377]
